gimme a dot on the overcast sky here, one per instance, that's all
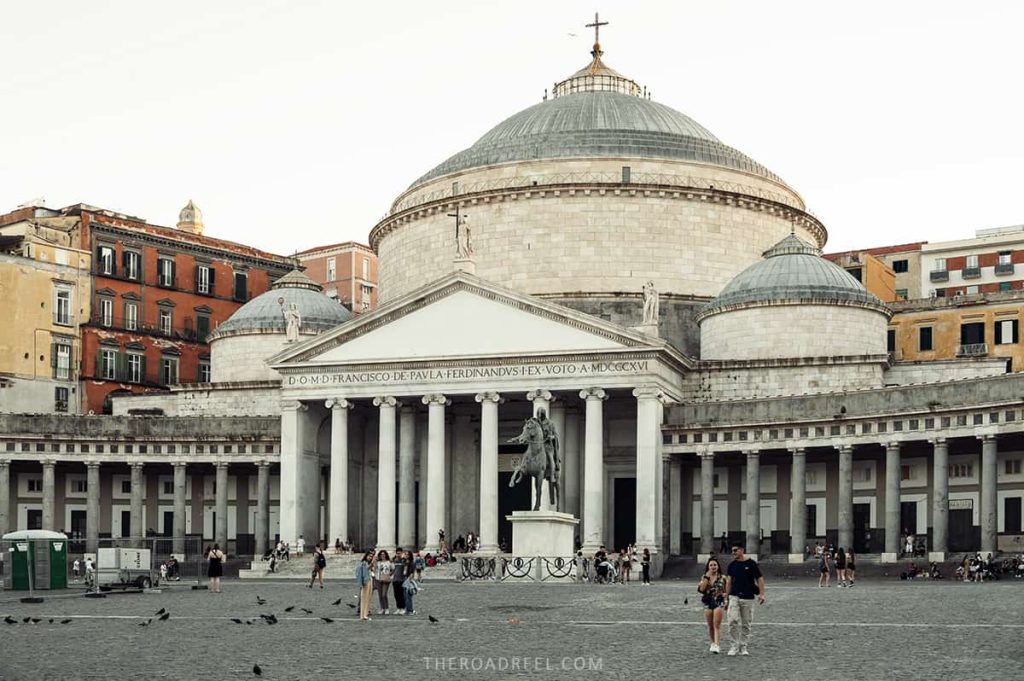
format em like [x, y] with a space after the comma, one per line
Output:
[296, 123]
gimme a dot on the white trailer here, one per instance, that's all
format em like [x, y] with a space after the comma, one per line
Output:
[118, 568]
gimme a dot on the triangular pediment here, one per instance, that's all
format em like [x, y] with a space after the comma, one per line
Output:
[463, 316]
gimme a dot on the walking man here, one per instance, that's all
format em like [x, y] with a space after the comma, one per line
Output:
[743, 583]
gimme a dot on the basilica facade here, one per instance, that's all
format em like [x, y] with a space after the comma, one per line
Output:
[750, 395]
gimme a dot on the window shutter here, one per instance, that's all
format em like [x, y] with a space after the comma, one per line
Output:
[97, 370]
[174, 274]
[195, 278]
[124, 262]
[1014, 327]
[121, 366]
[999, 333]
[142, 369]
[53, 358]
[211, 279]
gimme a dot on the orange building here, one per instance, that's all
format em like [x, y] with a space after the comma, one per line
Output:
[157, 293]
[347, 271]
[878, 277]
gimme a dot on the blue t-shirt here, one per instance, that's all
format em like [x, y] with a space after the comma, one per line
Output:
[744, 575]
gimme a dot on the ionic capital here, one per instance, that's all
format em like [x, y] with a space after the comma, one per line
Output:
[798, 451]
[436, 399]
[385, 401]
[706, 454]
[937, 441]
[539, 394]
[752, 453]
[489, 397]
[338, 403]
[294, 405]
[648, 392]
[593, 394]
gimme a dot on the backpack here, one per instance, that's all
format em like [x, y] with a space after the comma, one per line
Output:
[321, 560]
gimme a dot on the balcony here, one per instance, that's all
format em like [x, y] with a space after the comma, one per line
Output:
[972, 350]
[971, 273]
[938, 275]
[1004, 268]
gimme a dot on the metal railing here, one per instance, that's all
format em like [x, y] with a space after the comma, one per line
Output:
[970, 272]
[519, 568]
[1004, 268]
[938, 275]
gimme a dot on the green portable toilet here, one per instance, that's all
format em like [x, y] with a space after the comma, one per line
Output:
[40, 553]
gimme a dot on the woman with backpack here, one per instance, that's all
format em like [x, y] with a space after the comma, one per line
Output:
[410, 587]
[382, 576]
[398, 579]
[319, 563]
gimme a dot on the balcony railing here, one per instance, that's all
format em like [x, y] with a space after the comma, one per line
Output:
[119, 324]
[970, 272]
[938, 275]
[972, 350]
[1004, 268]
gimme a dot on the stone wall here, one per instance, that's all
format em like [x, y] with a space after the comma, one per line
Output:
[736, 382]
[240, 358]
[36, 396]
[591, 238]
[208, 399]
[121, 427]
[890, 400]
[776, 331]
[906, 373]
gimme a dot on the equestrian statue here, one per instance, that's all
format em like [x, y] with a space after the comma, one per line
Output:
[542, 459]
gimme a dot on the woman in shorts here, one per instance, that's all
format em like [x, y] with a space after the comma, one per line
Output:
[841, 567]
[825, 569]
[712, 590]
[851, 568]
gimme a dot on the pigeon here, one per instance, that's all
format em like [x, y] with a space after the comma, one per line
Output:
[160, 611]
[260, 601]
[146, 623]
[271, 620]
[36, 620]
[10, 620]
[327, 619]
[289, 608]
[351, 605]
[26, 620]
[51, 620]
[338, 602]
[433, 620]
[66, 621]
[686, 601]
[308, 612]
[236, 620]
[164, 617]
[256, 670]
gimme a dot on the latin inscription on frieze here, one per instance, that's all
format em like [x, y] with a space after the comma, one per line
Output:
[441, 374]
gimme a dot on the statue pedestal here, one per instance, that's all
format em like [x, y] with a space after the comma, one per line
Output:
[464, 265]
[649, 329]
[542, 533]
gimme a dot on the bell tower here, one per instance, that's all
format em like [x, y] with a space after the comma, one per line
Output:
[190, 219]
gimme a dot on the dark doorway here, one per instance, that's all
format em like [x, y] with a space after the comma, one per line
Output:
[812, 522]
[625, 513]
[168, 523]
[126, 523]
[34, 519]
[78, 531]
[961, 530]
[908, 516]
[861, 527]
[510, 499]
[1011, 515]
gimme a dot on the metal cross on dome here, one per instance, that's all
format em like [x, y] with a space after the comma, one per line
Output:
[597, 28]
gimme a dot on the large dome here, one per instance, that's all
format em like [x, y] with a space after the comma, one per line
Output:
[792, 271]
[265, 312]
[598, 124]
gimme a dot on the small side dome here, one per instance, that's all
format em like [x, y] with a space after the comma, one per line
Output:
[265, 313]
[792, 271]
[190, 219]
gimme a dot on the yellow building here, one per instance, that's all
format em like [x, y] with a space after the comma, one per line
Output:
[985, 325]
[45, 293]
[877, 277]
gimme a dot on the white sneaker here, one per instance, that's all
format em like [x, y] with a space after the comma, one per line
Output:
[387, 611]
[733, 650]
[715, 648]
[743, 650]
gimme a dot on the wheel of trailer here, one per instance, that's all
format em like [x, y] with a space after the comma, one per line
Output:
[144, 582]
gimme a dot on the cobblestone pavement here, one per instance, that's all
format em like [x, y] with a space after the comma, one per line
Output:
[877, 630]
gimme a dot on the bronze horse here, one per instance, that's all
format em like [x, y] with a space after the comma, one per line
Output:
[537, 462]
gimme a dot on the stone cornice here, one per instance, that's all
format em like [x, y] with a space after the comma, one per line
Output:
[880, 307]
[788, 362]
[701, 194]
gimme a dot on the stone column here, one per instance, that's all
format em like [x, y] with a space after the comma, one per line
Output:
[845, 497]
[557, 413]
[437, 498]
[892, 503]
[488, 471]
[262, 508]
[338, 500]
[647, 434]
[675, 507]
[5, 497]
[940, 500]
[138, 532]
[298, 495]
[707, 505]
[989, 476]
[754, 503]
[593, 470]
[92, 506]
[180, 487]
[798, 507]
[49, 495]
[571, 468]
[407, 477]
[386, 531]
[220, 525]
[541, 400]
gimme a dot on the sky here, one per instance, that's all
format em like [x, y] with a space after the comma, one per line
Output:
[296, 123]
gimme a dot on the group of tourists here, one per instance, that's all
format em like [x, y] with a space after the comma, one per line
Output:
[400, 576]
[840, 562]
[616, 568]
[731, 594]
